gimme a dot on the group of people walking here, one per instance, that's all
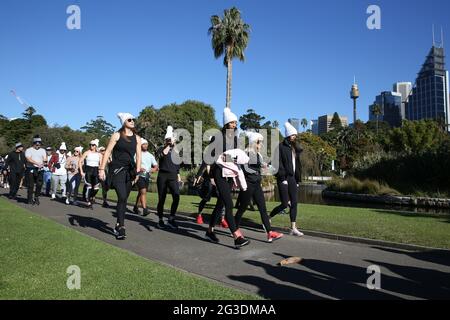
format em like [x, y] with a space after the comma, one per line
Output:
[126, 161]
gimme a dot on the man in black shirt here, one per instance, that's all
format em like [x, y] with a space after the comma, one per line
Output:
[15, 164]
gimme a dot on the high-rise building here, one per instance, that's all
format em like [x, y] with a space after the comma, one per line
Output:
[295, 123]
[430, 94]
[404, 88]
[325, 121]
[390, 104]
[315, 127]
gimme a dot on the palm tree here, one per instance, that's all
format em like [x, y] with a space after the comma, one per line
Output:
[304, 123]
[29, 112]
[229, 38]
[376, 111]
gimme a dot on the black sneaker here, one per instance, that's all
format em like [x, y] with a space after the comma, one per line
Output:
[240, 242]
[105, 204]
[161, 225]
[211, 236]
[135, 210]
[36, 202]
[145, 212]
[121, 234]
[171, 223]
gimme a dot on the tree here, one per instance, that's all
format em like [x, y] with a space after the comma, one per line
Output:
[336, 122]
[252, 120]
[229, 37]
[100, 129]
[304, 123]
[416, 137]
[375, 109]
[29, 112]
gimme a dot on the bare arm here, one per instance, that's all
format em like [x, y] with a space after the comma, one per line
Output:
[81, 161]
[138, 154]
[112, 142]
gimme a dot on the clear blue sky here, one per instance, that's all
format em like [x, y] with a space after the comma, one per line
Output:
[129, 54]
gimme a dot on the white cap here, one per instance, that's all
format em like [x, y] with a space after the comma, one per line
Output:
[96, 141]
[124, 117]
[253, 137]
[143, 141]
[169, 133]
[101, 148]
[79, 149]
[289, 130]
[63, 146]
[228, 116]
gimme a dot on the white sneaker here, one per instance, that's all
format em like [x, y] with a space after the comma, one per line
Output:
[53, 196]
[67, 201]
[296, 232]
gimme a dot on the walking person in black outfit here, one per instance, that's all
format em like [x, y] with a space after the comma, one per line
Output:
[224, 185]
[254, 191]
[123, 170]
[15, 164]
[288, 176]
[168, 179]
[36, 157]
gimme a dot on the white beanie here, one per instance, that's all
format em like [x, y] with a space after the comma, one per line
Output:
[63, 146]
[169, 133]
[96, 141]
[143, 141]
[253, 137]
[124, 117]
[79, 149]
[289, 130]
[228, 116]
[69, 154]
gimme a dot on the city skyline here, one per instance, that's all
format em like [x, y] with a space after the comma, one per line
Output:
[106, 67]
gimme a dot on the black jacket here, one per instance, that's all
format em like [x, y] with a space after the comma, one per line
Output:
[285, 167]
[252, 170]
[16, 162]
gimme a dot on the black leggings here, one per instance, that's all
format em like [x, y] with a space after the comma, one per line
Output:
[92, 182]
[254, 191]
[14, 182]
[122, 184]
[166, 181]
[35, 181]
[287, 192]
[224, 188]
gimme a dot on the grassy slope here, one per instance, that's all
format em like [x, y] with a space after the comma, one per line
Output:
[404, 227]
[35, 253]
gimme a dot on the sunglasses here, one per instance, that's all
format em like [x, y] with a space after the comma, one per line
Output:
[130, 120]
[92, 145]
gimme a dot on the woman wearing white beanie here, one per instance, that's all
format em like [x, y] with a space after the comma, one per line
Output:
[168, 179]
[90, 173]
[254, 190]
[73, 175]
[59, 173]
[229, 139]
[288, 176]
[124, 145]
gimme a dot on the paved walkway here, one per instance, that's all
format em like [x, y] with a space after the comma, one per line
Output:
[330, 269]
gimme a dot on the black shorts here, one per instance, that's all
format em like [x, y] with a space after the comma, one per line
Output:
[142, 183]
[91, 177]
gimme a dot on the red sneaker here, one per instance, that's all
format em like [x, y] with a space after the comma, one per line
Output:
[199, 219]
[224, 223]
[272, 235]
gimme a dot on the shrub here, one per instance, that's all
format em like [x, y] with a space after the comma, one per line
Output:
[354, 185]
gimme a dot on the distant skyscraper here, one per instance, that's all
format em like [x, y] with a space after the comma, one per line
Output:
[295, 123]
[315, 127]
[325, 121]
[391, 105]
[404, 88]
[430, 95]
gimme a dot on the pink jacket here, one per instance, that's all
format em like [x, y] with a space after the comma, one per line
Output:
[232, 169]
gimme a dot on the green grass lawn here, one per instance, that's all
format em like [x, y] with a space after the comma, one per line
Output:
[35, 253]
[430, 230]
